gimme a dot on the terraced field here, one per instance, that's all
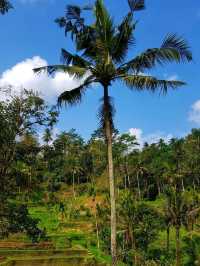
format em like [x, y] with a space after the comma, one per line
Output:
[70, 257]
[71, 238]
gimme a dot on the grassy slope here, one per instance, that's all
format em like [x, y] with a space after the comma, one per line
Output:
[65, 231]
[77, 231]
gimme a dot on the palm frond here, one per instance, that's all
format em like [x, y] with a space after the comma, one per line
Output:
[194, 212]
[74, 96]
[73, 12]
[73, 21]
[123, 39]
[172, 214]
[104, 23]
[136, 5]
[173, 49]
[71, 97]
[5, 5]
[141, 82]
[178, 46]
[62, 22]
[85, 40]
[78, 72]
[75, 60]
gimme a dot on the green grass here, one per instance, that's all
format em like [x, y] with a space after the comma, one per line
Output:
[48, 218]
[74, 237]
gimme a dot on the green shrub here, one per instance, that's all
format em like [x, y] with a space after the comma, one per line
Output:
[20, 221]
[82, 189]
[75, 214]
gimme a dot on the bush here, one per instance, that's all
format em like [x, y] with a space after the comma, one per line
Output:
[93, 242]
[4, 227]
[37, 196]
[191, 249]
[53, 199]
[75, 214]
[54, 186]
[88, 213]
[20, 221]
[82, 189]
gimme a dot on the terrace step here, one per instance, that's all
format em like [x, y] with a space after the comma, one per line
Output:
[70, 257]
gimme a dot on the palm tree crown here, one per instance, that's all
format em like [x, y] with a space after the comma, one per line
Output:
[102, 52]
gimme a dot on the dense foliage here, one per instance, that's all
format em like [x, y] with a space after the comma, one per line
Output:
[157, 185]
[102, 56]
[147, 212]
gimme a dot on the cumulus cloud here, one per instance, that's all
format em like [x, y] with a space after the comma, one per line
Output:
[22, 76]
[137, 132]
[149, 138]
[194, 115]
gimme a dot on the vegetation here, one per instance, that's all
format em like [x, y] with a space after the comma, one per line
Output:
[55, 192]
[5, 6]
[102, 58]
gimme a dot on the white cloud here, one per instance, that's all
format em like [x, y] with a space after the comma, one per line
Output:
[171, 77]
[194, 114]
[22, 76]
[137, 132]
[149, 138]
[155, 137]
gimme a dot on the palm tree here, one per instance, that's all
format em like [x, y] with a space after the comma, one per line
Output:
[102, 50]
[5, 5]
[180, 210]
[175, 208]
[128, 213]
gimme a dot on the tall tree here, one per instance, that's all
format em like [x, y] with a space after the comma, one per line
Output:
[180, 211]
[20, 115]
[122, 147]
[192, 151]
[101, 58]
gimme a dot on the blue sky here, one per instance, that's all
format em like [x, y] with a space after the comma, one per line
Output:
[29, 30]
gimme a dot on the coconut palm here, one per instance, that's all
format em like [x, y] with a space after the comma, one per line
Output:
[102, 50]
[181, 211]
[5, 5]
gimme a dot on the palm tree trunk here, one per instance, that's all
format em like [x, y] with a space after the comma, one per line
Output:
[97, 230]
[183, 186]
[73, 180]
[125, 182]
[158, 186]
[133, 244]
[138, 184]
[168, 233]
[108, 135]
[178, 250]
[127, 173]
[129, 182]
[194, 186]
